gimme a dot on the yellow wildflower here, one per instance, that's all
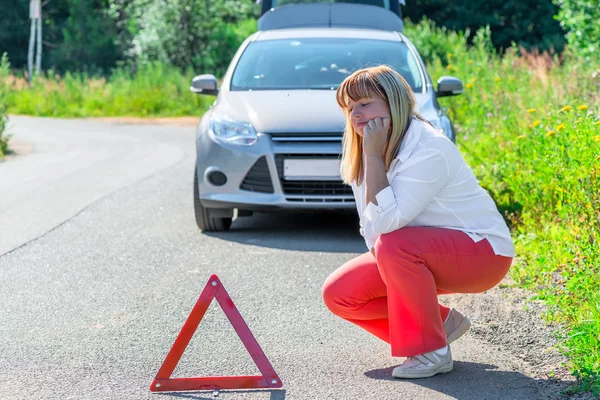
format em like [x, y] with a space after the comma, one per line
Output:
[536, 123]
[597, 123]
[520, 137]
[551, 133]
[450, 55]
[596, 138]
[497, 79]
[469, 86]
[560, 127]
[582, 107]
[449, 67]
[566, 108]
[579, 119]
[469, 61]
[531, 110]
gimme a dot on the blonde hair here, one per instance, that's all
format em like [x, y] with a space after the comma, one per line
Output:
[387, 84]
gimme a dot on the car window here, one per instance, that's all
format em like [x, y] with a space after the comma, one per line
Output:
[318, 63]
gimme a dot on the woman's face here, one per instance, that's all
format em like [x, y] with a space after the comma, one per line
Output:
[366, 109]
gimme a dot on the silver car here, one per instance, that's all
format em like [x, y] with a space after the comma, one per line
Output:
[272, 139]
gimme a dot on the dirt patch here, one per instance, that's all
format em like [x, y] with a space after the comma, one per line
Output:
[508, 319]
[16, 149]
[178, 121]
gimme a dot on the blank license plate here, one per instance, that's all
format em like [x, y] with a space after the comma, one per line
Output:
[311, 169]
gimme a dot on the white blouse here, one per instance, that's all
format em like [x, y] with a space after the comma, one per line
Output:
[432, 185]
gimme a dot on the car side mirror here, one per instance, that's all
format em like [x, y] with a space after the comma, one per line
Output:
[205, 84]
[449, 86]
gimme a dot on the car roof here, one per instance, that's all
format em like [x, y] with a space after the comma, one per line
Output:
[298, 33]
[330, 15]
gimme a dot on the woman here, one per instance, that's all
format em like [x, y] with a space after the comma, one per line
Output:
[429, 227]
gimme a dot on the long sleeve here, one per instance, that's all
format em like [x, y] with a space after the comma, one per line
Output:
[412, 188]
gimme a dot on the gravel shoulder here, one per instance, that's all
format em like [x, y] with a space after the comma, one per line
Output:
[508, 319]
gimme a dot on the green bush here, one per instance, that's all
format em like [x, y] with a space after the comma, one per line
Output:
[580, 19]
[189, 33]
[527, 23]
[530, 129]
[4, 88]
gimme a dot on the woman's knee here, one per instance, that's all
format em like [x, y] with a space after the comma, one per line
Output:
[331, 294]
[339, 298]
[396, 244]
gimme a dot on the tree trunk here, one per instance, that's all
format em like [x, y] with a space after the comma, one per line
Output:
[38, 60]
[30, 52]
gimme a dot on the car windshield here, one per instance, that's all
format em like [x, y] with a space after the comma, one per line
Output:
[319, 63]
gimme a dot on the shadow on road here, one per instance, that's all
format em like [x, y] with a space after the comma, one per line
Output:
[274, 394]
[471, 380]
[320, 232]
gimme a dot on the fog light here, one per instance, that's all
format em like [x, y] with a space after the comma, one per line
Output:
[217, 178]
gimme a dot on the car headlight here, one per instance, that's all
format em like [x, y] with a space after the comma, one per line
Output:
[233, 132]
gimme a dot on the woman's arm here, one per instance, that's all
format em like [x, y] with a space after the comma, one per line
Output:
[375, 134]
[375, 177]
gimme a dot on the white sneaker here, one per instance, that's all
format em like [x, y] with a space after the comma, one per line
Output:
[425, 365]
[456, 325]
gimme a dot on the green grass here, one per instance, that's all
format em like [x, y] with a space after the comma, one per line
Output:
[4, 90]
[528, 125]
[530, 129]
[155, 90]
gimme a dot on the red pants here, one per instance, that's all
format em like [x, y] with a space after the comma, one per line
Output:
[394, 296]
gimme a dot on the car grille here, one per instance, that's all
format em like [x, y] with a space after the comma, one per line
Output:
[258, 179]
[306, 137]
[312, 191]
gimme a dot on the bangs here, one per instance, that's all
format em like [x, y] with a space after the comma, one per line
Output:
[358, 86]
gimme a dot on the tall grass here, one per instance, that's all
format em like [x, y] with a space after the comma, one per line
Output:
[4, 90]
[530, 129]
[154, 90]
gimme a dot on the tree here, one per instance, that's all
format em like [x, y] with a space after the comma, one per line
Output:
[528, 23]
[187, 33]
[88, 38]
[580, 19]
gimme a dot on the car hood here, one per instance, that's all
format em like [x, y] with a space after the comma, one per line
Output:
[290, 111]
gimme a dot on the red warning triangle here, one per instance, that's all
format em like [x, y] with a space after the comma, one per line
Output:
[163, 381]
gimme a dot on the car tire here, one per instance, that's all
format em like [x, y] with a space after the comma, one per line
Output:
[205, 218]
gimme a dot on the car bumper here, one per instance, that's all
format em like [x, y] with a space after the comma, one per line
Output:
[252, 177]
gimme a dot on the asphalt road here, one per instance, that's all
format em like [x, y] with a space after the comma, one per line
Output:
[101, 263]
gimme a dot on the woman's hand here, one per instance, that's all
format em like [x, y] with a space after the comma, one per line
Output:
[375, 134]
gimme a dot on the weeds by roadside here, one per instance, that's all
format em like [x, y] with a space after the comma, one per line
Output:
[155, 90]
[530, 128]
[4, 73]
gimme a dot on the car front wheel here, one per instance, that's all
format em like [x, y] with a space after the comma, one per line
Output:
[208, 219]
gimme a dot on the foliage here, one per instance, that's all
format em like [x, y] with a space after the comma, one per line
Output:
[580, 19]
[4, 73]
[527, 23]
[97, 35]
[87, 38]
[198, 34]
[153, 90]
[530, 129]
[76, 34]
